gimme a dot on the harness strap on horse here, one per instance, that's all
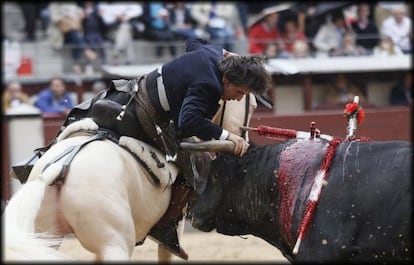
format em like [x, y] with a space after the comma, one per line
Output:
[132, 96]
[222, 114]
[169, 155]
[71, 153]
[147, 168]
[246, 115]
[110, 135]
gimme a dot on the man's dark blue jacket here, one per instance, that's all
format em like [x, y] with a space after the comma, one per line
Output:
[193, 87]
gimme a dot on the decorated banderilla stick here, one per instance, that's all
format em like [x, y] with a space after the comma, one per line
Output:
[283, 134]
[356, 115]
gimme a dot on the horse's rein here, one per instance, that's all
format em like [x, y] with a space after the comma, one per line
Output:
[246, 115]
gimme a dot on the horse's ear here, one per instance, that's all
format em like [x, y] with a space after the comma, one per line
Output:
[265, 100]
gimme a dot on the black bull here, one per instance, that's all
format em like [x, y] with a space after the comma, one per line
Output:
[363, 213]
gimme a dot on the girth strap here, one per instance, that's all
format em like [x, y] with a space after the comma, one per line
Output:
[71, 152]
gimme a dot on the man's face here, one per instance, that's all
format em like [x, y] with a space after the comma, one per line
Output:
[15, 89]
[398, 15]
[233, 92]
[363, 11]
[58, 87]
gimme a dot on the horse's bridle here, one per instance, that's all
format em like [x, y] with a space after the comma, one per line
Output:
[246, 115]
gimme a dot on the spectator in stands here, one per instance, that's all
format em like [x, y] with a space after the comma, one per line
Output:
[329, 35]
[386, 47]
[13, 22]
[301, 49]
[383, 10]
[221, 20]
[349, 47]
[13, 96]
[94, 28]
[44, 17]
[292, 39]
[341, 92]
[270, 51]
[159, 27]
[12, 55]
[264, 35]
[399, 27]
[30, 14]
[55, 98]
[366, 30]
[182, 22]
[402, 92]
[67, 17]
[310, 22]
[243, 10]
[119, 21]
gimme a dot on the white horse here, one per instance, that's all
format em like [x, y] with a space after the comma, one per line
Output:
[232, 114]
[107, 199]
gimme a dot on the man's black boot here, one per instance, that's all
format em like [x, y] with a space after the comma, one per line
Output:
[165, 231]
[169, 239]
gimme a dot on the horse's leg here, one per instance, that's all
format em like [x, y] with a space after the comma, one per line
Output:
[109, 233]
[101, 218]
[105, 228]
[164, 256]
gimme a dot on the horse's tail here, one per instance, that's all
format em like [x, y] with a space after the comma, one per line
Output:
[21, 242]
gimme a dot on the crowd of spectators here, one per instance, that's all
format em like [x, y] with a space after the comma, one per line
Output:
[342, 90]
[292, 30]
[289, 30]
[68, 18]
[53, 98]
[329, 29]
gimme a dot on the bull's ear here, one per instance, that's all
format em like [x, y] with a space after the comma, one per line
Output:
[265, 100]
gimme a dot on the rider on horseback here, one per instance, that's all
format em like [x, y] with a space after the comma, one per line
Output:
[179, 99]
[175, 101]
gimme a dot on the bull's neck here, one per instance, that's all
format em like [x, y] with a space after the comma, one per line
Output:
[259, 196]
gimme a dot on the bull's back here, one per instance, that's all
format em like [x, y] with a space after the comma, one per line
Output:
[374, 172]
[364, 212]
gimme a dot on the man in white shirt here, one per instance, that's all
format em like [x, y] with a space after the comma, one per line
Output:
[398, 27]
[117, 16]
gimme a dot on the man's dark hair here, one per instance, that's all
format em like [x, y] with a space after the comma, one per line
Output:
[246, 71]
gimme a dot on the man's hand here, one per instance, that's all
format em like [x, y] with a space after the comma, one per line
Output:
[241, 145]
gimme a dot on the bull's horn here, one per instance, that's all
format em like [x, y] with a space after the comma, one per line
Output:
[224, 146]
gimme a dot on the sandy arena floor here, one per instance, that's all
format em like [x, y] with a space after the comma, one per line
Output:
[200, 247]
